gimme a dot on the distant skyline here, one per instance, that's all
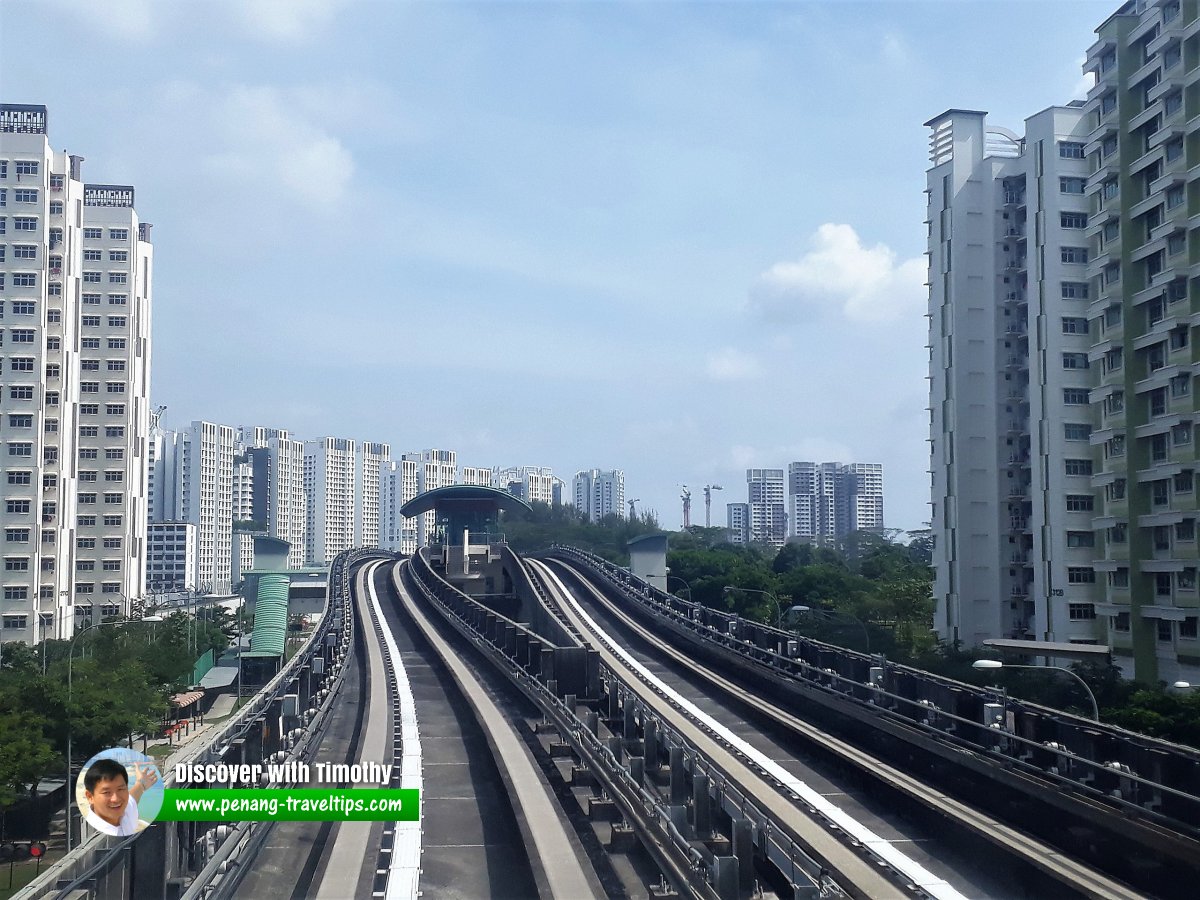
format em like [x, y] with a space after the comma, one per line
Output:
[675, 239]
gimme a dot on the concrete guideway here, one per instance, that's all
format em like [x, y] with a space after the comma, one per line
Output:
[742, 764]
[1054, 863]
[350, 861]
[555, 852]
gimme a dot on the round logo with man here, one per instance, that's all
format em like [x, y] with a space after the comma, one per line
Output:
[119, 791]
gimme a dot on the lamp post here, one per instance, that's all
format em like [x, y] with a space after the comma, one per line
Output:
[831, 615]
[70, 673]
[685, 584]
[997, 664]
[778, 619]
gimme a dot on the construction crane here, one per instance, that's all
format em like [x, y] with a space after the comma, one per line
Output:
[686, 497]
[708, 489]
[632, 514]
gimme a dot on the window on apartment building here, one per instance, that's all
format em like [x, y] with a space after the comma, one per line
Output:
[114, 409]
[1112, 273]
[1183, 483]
[112, 521]
[91, 277]
[1174, 149]
[89, 299]
[1075, 396]
[21, 364]
[1072, 185]
[20, 448]
[117, 321]
[16, 564]
[89, 321]
[1185, 579]
[90, 255]
[1181, 435]
[1175, 197]
[118, 256]
[53, 316]
[85, 521]
[115, 387]
[1114, 359]
[116, 343]
[1080, 575]
[89, 365]
[1187, 628]
[1075, 361]
[1074, 254]
[118, 278]
[1081, 611]
[87, 476]
[17, 506]
[1077, 431]
[118, 234]
[1079, 503]
[1158, 402]
[93, 234]
[1112, 231]
[1118, 534]
[20, 392]
[116, 365]
[1070, 150]
[118, 299]
[20, 476]
[114, 431]
[1178, 337]
[1081, 539]
[1074, 325]
[16, 535]
[1181, 385]
[1072, 220]
[1158, 448]
[1176, 243]
[20, 421]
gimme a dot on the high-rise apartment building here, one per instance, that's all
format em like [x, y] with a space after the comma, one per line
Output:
[435, 469]
[763, 518]
[279, 501]
[75, 299]
[477, 476]
[1063, 317]
[533, 484]
[368, 461]
[191, 477]
[399, 482]
[830, 500]
[599, 493]
[329, 465]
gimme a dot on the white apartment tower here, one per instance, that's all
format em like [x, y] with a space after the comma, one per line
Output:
[75, 275]
[533, 484]
[279, 501]
[1009, 307]
[399, 482]
[476, 476]
[830, 500]
[599, 493]
[435, 469]
[329, 465]
[763, 518]
[368, 461]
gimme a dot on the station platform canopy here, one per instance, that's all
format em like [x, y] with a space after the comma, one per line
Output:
[1092, 652]
[465, 509]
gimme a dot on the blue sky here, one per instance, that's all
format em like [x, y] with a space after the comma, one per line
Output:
[675, 238]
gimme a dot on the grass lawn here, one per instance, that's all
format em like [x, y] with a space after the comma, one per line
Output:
[23, 872]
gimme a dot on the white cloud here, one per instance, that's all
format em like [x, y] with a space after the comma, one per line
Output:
[894, 50]
[1084, 82]
[731, 364]
[268, 139]
[129, 19]
[868, 284]
[287, 20]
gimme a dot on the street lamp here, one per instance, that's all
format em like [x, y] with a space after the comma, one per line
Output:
[1185, 686]
[997, 664]
[831, 615]
[70, 673]
[729, 589]
[685, 584]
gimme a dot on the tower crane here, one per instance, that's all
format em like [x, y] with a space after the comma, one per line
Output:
[632, 514]
[686, 497]
[708, 489]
